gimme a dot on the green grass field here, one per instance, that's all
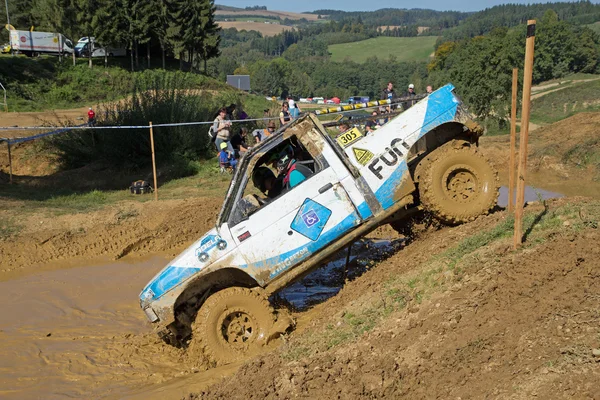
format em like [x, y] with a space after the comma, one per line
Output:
[573, 99]
[404, 49]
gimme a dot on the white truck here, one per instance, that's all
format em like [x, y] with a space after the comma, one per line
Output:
[32, 43]
[329, 193]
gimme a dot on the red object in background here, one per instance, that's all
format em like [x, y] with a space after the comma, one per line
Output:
[336, 100]
[91, 114]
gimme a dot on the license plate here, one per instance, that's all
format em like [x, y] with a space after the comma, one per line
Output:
[349, 137]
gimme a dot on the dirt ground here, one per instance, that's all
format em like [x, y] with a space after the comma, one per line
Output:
[516, 325]
[509, 325]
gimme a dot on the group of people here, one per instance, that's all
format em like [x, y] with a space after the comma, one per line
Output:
[389, 94]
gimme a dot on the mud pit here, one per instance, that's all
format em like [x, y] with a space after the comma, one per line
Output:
[79, 332]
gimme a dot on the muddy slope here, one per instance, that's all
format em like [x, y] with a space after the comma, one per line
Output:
[112, 233]
[510, 325]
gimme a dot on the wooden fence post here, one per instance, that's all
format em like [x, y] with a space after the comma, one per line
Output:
[527, 77]
[153, 163]
[513, 142]
[10, 179]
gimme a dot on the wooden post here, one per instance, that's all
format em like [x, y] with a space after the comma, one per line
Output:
[10, 179]
[513, 142]
[527, 76]
[153, 163]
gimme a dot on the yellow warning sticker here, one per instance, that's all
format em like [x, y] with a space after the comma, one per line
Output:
[363, 156]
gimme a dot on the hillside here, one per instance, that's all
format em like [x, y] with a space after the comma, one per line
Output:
[404, 49]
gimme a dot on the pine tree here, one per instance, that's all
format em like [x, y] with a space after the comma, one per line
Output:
[209, 46]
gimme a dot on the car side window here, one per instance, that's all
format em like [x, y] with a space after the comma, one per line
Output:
[277, 171]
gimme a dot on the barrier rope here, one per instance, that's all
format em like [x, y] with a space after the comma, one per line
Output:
[331, 111]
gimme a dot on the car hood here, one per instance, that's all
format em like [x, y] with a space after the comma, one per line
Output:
[194, 259]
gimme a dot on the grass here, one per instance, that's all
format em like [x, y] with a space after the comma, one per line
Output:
[562, 104]
[584, 154]
[9, 227]
[404, 49]
[439, 272]
[44, 83]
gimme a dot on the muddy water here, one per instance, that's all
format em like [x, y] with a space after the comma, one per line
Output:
[531, 194]
[67, 333]
[79, 332]
[328, 280]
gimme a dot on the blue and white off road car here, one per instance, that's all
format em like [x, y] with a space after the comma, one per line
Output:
[215, 294]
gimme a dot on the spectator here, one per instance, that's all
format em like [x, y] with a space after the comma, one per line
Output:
[91, 117]
[388, 94]
[343, 127]
[238, 142]
[262, 134]
[429, 90]
[284, 115]
[230, 111]
[293, 108]
[226, 159]
[221, 127]
[241, 114]
[410, 94]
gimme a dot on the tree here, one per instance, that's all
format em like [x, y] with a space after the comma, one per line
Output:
[208, 46]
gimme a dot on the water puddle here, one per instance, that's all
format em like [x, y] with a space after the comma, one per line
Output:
[328, 280]
[531, 194]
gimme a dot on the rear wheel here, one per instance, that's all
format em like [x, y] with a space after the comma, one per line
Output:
[232, 324]
[457, 184]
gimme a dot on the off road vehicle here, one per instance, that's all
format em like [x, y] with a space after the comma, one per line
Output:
[215, 293]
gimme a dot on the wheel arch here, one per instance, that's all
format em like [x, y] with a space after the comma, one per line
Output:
[437, 137]
[213, 282]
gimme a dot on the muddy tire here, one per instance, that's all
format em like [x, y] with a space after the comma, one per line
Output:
[233, 324]
[457, 184]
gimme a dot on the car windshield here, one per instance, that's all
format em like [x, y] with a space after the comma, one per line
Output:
[80, 45]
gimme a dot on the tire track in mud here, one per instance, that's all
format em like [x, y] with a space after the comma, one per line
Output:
[157, 228]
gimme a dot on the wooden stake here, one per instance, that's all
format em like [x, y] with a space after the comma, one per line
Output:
[513, 142]
[153, 163]
[527, 77]
[10, 179]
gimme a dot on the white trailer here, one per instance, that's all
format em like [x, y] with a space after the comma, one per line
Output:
[34, 43]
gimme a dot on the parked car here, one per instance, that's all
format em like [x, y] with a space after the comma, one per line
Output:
[82, 49]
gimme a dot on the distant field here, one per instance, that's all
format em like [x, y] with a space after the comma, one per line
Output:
[265, 29]
[595, 27]
[280, 14]
[570, 100]
[405, 49]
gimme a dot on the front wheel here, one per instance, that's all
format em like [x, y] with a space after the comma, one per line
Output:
[232, 324]
[458, 184]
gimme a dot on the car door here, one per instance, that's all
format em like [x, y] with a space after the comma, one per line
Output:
[298, 223]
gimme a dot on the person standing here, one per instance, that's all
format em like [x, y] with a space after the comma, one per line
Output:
[294, 109]
[221, 127]
[388, 94]
[284, 115]
[91, 117]
[411, 95]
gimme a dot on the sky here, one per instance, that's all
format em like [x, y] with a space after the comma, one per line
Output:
[362, 5]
